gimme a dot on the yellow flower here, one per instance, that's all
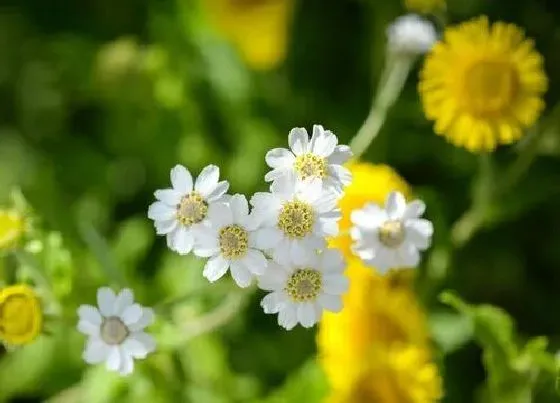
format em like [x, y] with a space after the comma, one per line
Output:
[402, 374]
[424, 6]
[483, 85]
[378, 311]
[21, 316]
[370, 183]
[11, 228]
[258, 28]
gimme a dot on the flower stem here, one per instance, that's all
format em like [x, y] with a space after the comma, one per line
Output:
[390, 87]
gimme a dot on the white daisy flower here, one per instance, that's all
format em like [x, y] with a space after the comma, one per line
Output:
[181, 209]
[300, 293]
[318, 158]
[229, 242]
[295, 217]
[411, 35]
[391, 237]
[115, 330]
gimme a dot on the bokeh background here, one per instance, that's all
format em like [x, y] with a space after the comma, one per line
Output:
[99, 99]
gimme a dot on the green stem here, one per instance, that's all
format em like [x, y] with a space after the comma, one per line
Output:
[391, 84]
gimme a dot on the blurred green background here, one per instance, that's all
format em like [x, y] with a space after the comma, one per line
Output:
[99, 99]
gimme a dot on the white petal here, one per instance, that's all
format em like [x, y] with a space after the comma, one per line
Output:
[90, 314]
[274, 278]
[395, 205]
[340, 155]
[207, 180]
[276, 174]
[106, 301]
[161, 212]
[127, 364]
[306, 314]
[123, 301]
[287, 317]
[182, 240]
[218, 193]
[282, 252]
[181, 179]
[409, 256]
[139, 345]
[298, 140]
[273, 302]
[239, 208]
[335, 284]
[171, 197]
[131, 314]
[419, 232]
[220, 215]
[240, 274]
[255, 261]
[207, 243]
[342, 174]
[414, 209]
[326, 203]
[279, 158]
[267, 238]
[215, 268]
[88, 328]
[331, 303]
[145, 320]
[298, 252]
[332, 261]
[96, 351]
[323, 142]
[165, 227]
[326, 228]
[114, 359]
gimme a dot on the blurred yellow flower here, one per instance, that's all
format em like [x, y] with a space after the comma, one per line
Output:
[257, 28]
[11, 228]
[21, 315]
[370, 183]
[424, 6]
[483, 84]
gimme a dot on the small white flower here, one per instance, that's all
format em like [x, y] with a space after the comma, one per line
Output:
[180, 210]
[318, 158]
[229, 242]
[300, 293]
[391, 237]
[116, 330]
[411, 35]
[295, 218]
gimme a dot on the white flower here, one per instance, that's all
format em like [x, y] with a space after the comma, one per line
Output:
[180, 210]
[229, 242]
[411, 35]
[115, 330]
[318, 158]
[295, 218]
[391, 237]
[300, 293]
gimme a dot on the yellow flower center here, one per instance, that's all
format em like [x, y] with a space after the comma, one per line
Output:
[192, 209]
[11, 228]
[311, 166]
[113, 331]
[296, 219]
[391, 233]
[304, 285]
[490, 87]
[234, 241]
[20, 315]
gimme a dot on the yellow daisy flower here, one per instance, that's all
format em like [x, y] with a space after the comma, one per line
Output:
[424, 6]
[483, 84]
[370, 183]
[21, 315]
[11, 228]
[378, 311]
[257, 28]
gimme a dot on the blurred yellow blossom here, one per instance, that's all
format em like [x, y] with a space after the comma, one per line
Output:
[11, 228]
[424, 6]
[21, 315]
[483, 84]
[257, 28]
[370, 183]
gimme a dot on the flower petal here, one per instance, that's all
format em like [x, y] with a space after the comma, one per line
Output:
[255, 261]
[220, 215]
[114, 359]
[161, 212]
[287, 317]
[419, 232]
[218, 193]
[340, 155]
[88, 328]
[145, 320]
[239, 208]
[395, 205]
[207, 180]
[171, 197]
[165, 227]
[273, 302]
[181, 179]
[123, 301]
[127, 364]
[240, 274]
[131, 314]
[279, 158]
[306, 314]
[298, 140]
[96, 351]
[182, 240]
[215, 268]
[414, 209]
[323, 141]
[90, 314]
[331, 303]
[106, 301]
[139, 345]
[267, 238]
[332, 261]
[342, 174]
[335, 284]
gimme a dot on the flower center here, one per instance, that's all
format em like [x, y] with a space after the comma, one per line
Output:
[113, 330]
[490, 87]
[18, 316]
[391, 234]
[296, 219]
[311, 166]
[234, 241]
[192, 209]
[304, 285]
